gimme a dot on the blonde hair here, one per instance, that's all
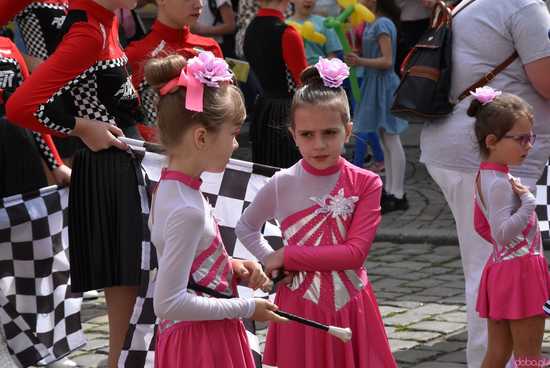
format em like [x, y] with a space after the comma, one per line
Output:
[222, 104]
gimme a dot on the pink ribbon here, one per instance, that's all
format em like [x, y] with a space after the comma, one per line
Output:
[195, 90]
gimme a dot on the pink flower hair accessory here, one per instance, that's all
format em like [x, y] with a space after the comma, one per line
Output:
[209, 69]
[333, 72]
[205, 69]
[485, 94]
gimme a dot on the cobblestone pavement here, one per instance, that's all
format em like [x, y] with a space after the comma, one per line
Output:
[420, 290]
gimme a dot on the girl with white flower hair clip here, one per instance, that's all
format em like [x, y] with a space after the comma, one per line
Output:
[200, 113]
[515, 282]
[329, 211]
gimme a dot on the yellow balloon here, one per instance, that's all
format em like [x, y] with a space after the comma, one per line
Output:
[308, 32]
[345, 3]
[364, 13]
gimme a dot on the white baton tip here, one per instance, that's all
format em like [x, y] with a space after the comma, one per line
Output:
[343, 334]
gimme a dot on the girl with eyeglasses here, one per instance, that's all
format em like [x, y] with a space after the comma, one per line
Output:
[515, 281]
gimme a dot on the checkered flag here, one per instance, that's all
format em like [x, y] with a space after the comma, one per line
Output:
[229, 193]
[543, 204]
[39, 314]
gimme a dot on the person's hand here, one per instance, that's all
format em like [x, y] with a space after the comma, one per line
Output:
[250, 272]
[518, 188]
[98, 135]
[352, 59]
[274, 261]
[62, 175]
[265, 312]
[287, 279]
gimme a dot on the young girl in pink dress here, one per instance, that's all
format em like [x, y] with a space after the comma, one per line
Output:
[515, 282]
[329, 211]
[200, 114]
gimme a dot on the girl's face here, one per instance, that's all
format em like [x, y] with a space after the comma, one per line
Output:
[512, 149]
[220, 145]
[179, 13]
[320, 135]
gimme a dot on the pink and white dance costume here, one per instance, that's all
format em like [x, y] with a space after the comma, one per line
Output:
[196, 330]
[328, 221]
[515, 282]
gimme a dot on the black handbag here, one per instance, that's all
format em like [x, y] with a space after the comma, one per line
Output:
[424, 91]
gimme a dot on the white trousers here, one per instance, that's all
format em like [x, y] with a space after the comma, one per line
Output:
[458, 189]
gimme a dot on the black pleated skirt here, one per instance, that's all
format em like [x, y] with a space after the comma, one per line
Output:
[105, 220]
[21, 168]
[272, 143]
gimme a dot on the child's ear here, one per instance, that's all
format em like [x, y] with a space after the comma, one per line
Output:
[200, 137]
[348, 130]
[490, 141]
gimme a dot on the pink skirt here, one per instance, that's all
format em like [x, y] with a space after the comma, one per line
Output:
[514, 289]
[292, 345]
[204, 344]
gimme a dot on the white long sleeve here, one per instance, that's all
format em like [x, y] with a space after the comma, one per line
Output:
[180, 231]
[508, 214]
[248, 228]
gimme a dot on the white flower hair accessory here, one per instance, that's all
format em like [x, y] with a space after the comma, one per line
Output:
[333, 72]
[485, 94]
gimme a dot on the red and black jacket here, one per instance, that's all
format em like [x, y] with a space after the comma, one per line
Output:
[162, 40]
[12, 73]
[39, 22]
[85, 77]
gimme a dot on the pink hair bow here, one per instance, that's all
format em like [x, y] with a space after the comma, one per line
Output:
[195, 90]
[485, 94]
[203, 69]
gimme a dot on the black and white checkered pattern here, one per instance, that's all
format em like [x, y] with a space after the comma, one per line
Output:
[291, 85]
[31, 31]
[39, 314]
[543, 203]
[149, 101]
[84, 90]
[229, 193]
[45, 151]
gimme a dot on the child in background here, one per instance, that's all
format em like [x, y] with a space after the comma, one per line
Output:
[515, 282]
[169, 34]
[303, 12]
[200, 114]
[218, 20]
[329, 210]
[373, 112]
[276, 54]
[375, 162]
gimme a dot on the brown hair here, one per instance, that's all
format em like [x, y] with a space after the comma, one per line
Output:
[314, 93]
[497, 117]
[223, 104]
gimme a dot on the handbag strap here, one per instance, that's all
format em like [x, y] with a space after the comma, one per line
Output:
[489, 76]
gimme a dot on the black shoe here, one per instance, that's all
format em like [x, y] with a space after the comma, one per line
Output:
[389, 203]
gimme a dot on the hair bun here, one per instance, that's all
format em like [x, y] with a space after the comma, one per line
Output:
[310, 75]
[475, 107]
[159, 71]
